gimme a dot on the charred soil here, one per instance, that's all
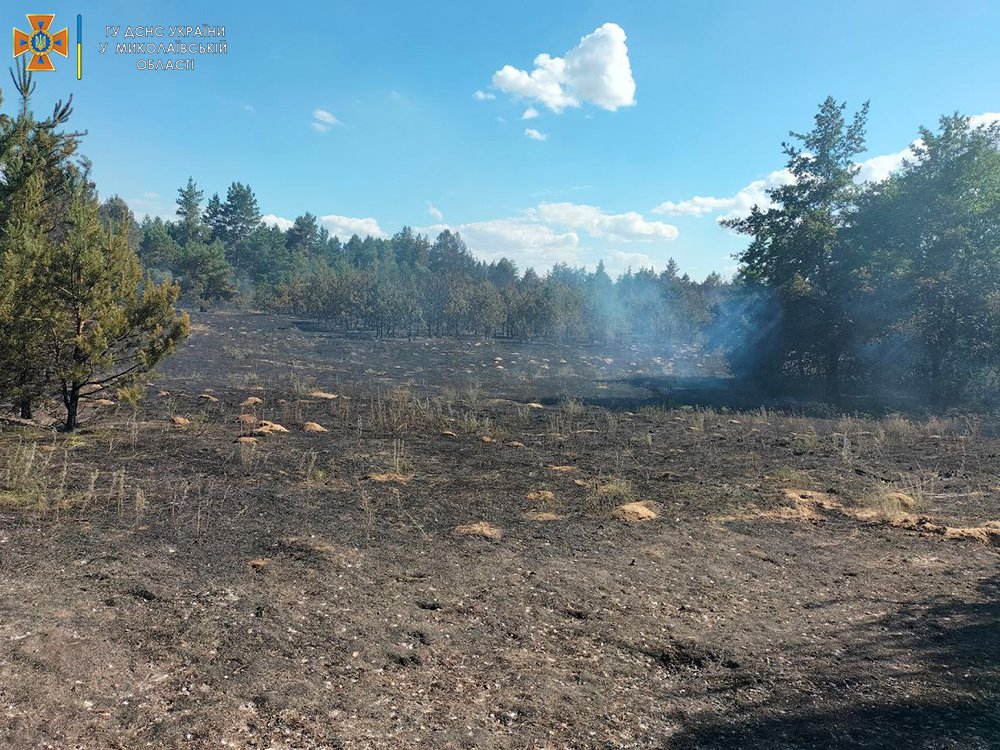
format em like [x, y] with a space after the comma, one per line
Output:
[489, 545]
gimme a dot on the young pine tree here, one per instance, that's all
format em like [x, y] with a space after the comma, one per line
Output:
[107, 325]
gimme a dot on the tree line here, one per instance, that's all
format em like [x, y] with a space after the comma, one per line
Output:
[856, 287]
[407, 284]
[872, 286]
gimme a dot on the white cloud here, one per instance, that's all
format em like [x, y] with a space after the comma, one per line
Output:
[535, 135]
[482, 96]
[553, 233]
[278, 221]
[596, 71]
[339, 226]
[734, 206]
[618, 262]
[877, 168]
[249, 108]
[323, 120]
[344, 226]
[626, 227]
[527, 243]
[434, 212]
[530, 114]
[873, 169]
[987, 118]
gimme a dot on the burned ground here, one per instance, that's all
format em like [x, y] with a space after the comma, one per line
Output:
[449, 565]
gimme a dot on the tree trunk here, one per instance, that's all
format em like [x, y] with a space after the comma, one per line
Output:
[24, 406]
[71, 397]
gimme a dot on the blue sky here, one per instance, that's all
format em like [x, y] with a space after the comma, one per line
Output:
[666, 116]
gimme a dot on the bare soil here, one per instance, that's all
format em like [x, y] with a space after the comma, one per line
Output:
[449, 565]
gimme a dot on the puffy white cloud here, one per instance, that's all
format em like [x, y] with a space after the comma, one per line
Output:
[987, 118]
[278, 221]
[434, 212]
[339, 226]
[526, 242]
[344, 226]
[482, 96]
[877, 168]
[597, 71]
[873, 169]
[323, 120]
[553, 233]
[626, 227]
[530, 114]
[733, 206]
[535, 135]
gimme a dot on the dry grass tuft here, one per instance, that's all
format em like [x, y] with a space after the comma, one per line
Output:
[246, 440]
[988, 533]
[481, 529]
[812, 497]
[259, 563]
[559, 469]
[890, 503]
[541, 496]
[208, 397]
[390, 476]
[449, 433]
[251, 401]
[325, 395]
[268, 428]
[608, 494]
[534, 405]
[180, 421]
[890, 508]
[247, 419]
[636, 512]
[542, 515]
[515, 444]
[314, 427]
[486, 438]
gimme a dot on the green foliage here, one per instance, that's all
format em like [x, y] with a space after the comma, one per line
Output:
[931, 234]
[798, 246]
[895, 283]
[190, 228]
[75, 310]
[157, 248]
[106, 324]
[204, 272]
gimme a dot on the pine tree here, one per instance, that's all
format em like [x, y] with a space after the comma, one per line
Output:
[36, 169]
[798, 248]
[189, 209]
[215, 218]
[106, 324]
[204, 272]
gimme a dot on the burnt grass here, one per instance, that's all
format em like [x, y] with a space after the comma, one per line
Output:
[165, 586]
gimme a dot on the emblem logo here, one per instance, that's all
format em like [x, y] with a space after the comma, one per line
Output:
[40, 43]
